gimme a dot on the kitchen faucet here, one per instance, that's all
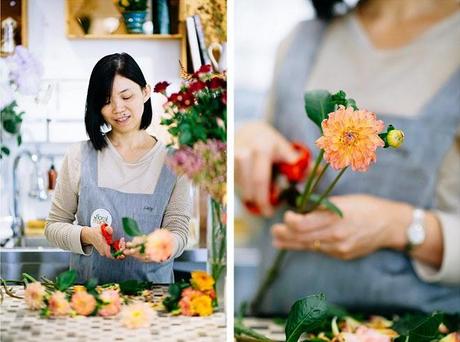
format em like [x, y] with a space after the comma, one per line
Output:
[38, 190]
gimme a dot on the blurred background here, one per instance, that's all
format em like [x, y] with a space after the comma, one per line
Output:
[48, 50]
[259, 28]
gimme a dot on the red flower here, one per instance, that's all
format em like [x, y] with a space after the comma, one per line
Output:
[185, 100]
[197, 86]
[160, 87]
[216, 82]
[174, 98]
[204, 69]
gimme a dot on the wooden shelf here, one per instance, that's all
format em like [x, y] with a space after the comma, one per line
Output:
[127, 36]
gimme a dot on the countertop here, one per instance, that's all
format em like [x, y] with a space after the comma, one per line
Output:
[17, 323]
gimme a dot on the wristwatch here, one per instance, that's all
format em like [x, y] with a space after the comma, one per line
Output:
[416, 231]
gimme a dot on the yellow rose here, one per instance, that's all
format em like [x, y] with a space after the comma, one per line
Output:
[202, 305]
[202, 281]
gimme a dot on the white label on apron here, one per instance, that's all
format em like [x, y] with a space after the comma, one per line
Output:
[100, 216]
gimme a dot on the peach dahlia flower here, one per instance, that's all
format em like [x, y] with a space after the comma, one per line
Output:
[83, 303]
[34, 295]
[350, 138]
[159, 245]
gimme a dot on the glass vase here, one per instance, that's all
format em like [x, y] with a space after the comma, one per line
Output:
[217, 251]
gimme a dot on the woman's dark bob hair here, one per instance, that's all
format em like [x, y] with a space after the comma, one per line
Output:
[100, 90]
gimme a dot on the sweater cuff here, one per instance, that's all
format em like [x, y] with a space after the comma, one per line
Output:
[178, 246]
[75, 242]
[448, 273]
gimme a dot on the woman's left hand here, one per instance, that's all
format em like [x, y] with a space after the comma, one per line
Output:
[368, 224]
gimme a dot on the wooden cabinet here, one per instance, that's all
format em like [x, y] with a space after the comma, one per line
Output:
[102, 20]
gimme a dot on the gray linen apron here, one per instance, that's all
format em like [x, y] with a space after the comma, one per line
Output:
[146, 209]
[384, 280]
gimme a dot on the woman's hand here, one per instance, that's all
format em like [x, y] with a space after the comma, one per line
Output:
[133, 248]
[257, 146]
[368, 224]
[158, 246]
[93, 236]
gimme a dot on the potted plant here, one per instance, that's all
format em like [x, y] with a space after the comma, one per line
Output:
[134, 13]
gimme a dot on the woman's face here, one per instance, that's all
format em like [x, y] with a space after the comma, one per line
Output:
[123, 111]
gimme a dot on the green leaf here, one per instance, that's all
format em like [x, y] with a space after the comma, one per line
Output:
[19, 139]
[5, 150]
[91, 284]
[66, 279]
[318, 105]
[130, 227]
[327, 204]
[133, 287]
[306, 314]
[420, 328]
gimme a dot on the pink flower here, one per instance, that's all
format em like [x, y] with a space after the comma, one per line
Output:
[83, 303]
[58, 304]
[34, 294]
[112, 303]
[159, 245]
[364, 334]
[136, 315]
[185, 303]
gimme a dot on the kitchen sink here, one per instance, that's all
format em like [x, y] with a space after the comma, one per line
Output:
[49, 261]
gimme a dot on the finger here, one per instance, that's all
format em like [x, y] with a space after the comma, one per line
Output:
[261, 176]
[309, 222]
[243, 166]
[284, 152]
[281, 232]
[331, 234]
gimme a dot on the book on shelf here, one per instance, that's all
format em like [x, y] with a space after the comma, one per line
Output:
[201, 42]
[193, 46]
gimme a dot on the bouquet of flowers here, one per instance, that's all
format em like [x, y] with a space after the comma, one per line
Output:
[63, 298]
[196, 117]
[350, 137]
[20, 73]
[193, 298]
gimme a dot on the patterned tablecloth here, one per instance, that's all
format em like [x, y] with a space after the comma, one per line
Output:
[17, 323]
[266, 327]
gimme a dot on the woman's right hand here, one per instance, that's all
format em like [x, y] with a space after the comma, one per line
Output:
[257, 146]
[93, 236]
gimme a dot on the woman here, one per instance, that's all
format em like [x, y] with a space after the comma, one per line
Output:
[115, 174]
[400, 59]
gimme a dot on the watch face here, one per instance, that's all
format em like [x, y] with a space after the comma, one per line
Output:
[416, 234]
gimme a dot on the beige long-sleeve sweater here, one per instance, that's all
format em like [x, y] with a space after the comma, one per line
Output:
[114, 173]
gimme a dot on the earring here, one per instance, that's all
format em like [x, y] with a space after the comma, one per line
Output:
[106, 128]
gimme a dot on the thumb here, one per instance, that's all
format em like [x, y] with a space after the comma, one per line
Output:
[109, 229]
[285, 152]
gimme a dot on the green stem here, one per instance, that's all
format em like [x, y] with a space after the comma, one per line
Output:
[312, 189]
[306, 192]
[270, 277]
[240, 329]
[329, 189]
